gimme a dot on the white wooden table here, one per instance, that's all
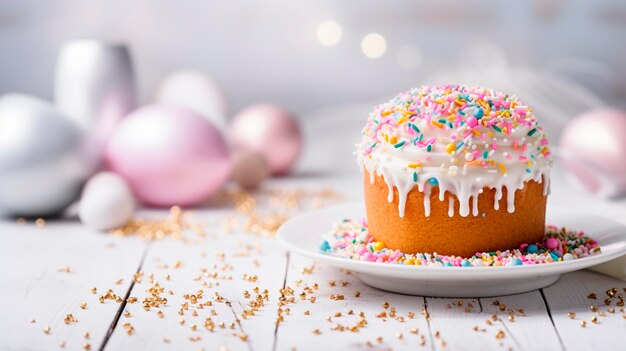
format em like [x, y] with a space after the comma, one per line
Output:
[52, 280]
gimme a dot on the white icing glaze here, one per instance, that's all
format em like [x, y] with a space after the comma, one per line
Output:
[514, 159]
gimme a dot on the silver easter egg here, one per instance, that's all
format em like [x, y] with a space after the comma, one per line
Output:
[42, 166]
[94, 86]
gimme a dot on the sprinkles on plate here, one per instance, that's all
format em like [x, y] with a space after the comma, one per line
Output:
[350, 239]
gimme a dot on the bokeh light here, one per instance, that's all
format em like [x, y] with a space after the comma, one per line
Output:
[329, 33]
[373, 45]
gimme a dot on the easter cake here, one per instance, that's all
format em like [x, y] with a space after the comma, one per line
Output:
[454, 170]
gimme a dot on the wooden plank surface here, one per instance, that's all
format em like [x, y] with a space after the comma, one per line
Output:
[515, 322]
[525, 320]
[306, 307]
[572, 295]
[223, 267]
[453, 321]
[328, 322]
[47, 273]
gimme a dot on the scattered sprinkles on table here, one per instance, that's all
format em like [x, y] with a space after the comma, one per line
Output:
[350, 239]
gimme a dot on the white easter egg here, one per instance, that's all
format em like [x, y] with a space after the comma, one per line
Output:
[196, 92]
[42, 160]
[107, 202]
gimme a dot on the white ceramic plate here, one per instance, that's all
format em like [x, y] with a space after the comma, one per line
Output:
[303, 234]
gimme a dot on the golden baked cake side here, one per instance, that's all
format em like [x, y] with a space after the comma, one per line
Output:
[491, 230]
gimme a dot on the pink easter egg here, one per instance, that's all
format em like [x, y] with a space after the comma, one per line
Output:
[593, 146]
[169, 156]
[272, 132]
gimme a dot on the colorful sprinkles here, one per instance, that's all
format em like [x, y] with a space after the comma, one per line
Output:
[460, 121]
[350, 239]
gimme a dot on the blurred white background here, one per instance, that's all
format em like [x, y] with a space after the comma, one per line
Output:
[330, 61]
[269, 50]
